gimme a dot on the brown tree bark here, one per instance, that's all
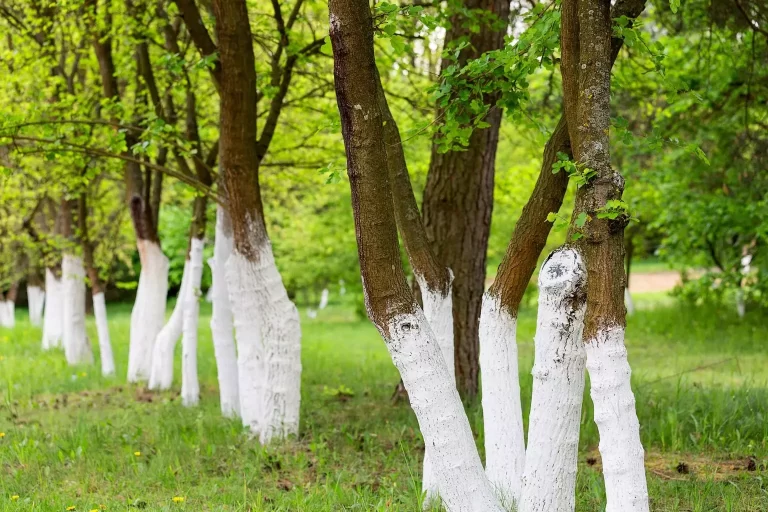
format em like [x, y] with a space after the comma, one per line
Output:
[239, 161]
[602, 241]
[532, 228]
[458, 201]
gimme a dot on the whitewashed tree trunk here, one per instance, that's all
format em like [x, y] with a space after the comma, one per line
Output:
[620, 448]
[268, 344]
[190, 386]
[165, 343]
[36, 301]
[549, 481]
[741, 306]
[102, 329]
[502, 411]
[7, 313]
[438, 310]
[77, 348]
[323, 299]
[628, 302]
[53, 320]
[148, 315]
[222, 328]
[442, 420]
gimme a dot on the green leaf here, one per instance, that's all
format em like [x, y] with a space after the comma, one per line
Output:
[581, 219]
[674, 5]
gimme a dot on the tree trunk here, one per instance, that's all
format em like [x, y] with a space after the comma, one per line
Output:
[77, 348]
[388, 299]
[8, 307]
[458, 201]
[601, 243]
[53, 318]
[190, 386]
[148, 315]
[97, 290]
[505, 448]
[549, 481]
[221, 318]
[35, 302]
[434, 280]
[266, 321]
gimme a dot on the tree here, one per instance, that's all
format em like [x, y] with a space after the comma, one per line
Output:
[549, 480]
[458, 198]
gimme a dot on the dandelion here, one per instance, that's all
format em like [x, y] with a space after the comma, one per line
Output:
[15, 497]
[138, 454]
[2, 435]
[94, 510]
[71, 507]
[178, 499]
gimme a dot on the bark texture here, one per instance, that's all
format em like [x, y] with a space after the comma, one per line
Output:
[389, 302]
[601, 244]
[458, 201]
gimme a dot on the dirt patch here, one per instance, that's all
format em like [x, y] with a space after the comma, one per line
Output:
[687, 466]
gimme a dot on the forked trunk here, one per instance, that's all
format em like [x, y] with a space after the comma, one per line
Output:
[389, 302]
[222, 327]
[161, 377]
[77, 348]
[148, 315]
[53, 319]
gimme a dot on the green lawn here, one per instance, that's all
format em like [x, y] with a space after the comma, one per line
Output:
[73, 438]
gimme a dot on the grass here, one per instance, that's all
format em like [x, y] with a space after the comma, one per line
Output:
[73, 438]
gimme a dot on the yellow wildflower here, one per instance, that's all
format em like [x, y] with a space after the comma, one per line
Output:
[2, 434]
[71, 507]
[178, 499]
[15, 497]
[94, 510]
[138, 454]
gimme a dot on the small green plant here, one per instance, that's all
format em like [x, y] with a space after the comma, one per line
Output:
[580, 174]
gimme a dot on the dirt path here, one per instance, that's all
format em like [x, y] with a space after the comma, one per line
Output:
[644, 282]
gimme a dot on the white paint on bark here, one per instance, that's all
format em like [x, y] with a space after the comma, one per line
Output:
[36, 301]
[102, 329]
[222, 328]
[77, 348]
[438, 310]
[620, 448]
[628, 302]
[323, 299]
[502, 411]
[442, 420]
[53, 320]
[549, 481]
[7, 313]
[190, 386]
[165, 344]
[268, 343]
[148, 315]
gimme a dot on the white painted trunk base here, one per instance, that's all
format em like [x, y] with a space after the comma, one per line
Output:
[7, 314]
[549, 481]
[268, 344]
[148, 315]
[161, 377]
[502, 411]
[222, 327]
[438, 310]
[36, 301]
[620, 448]
[190, 386]
[102, 329]
[628, 302]
[77, 348]
[323, 299]
[53, 320]
[442, 420]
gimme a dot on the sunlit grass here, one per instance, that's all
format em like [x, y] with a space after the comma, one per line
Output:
[72, 437]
